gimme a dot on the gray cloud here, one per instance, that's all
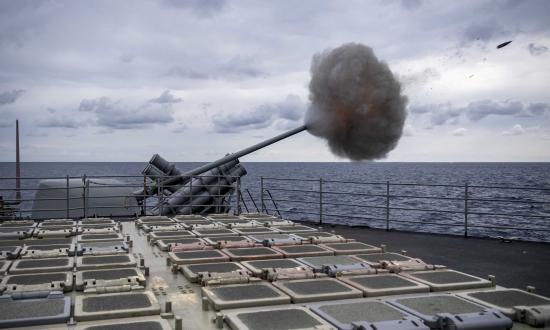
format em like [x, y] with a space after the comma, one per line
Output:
[205, 8]
[236, 68]
[411, 4]
[166, 98]
[5, 124]
[10, 97]
[420, 77]
[282, 114]
[537, 50]
[484, 32]
[441, 114]
[60, 123]
[476, 111]
[114, 114]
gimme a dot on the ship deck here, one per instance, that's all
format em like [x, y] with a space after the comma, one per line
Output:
[515, 264]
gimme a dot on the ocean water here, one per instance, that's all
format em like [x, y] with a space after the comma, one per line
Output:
[361, 199]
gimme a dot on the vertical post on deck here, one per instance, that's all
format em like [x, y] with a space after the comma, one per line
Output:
[320, 201]
[67, 199]
[161, 198]
[218, 198]
[466, 210]
[387, 206]
[191, 200]
[17, 164]
[84, 202]
[144, 194]
[238, 195]
[262, 194]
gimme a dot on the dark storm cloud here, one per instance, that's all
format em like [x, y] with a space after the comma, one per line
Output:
[166, 98]
[200, 7]
[537, 50]
[282, 114]
[441, 114]
[10, 97]
[114, 114]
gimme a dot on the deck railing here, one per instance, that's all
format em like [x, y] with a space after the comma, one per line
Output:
[468, 210]
[82, 196]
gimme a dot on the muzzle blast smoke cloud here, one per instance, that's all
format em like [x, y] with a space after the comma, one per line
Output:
[356, 103]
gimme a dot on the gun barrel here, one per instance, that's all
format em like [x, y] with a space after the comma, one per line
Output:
[245, 151]
[236, 155]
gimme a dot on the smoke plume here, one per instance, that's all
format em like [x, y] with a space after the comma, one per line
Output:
[356, 103]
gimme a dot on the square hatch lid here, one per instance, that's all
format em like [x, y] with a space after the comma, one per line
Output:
[343, 313]
[197, 257]
[295, 229]
[156, 235]
[186, 217]
[375, 259]
[317, 290]
[115, 305]
[103, 248]
[166, 244]
[244, 295]
[61, 281]
[109, 276]
[133, 323]
[351, 248]
[29, 266]
[28, 312]
[214, 232]
[287, 318]
[446, 279]
[255, 231]
[99, 237]
[253, 253]
[508, 301]
[257, 267]
[107, 261]
[306, 250]
[317, 263]
[191, 272]
[436, 309]
[384, 284]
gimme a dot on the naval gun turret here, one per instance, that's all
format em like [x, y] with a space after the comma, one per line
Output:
[200, 190]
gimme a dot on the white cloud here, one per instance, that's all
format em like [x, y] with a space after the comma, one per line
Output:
[461, 131]
[516, 130]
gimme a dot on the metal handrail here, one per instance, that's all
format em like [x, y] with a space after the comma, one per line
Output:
[472, 207]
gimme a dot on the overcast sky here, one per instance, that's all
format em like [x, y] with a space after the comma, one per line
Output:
[196, 79]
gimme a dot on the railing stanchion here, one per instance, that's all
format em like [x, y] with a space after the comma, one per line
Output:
[320, 201]
[68, 205]
[144, 194]
[84, 203]
[161, 198]
[191, 195]
[387, 206]
[262, 194]
[238, 195]
[466, 210]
